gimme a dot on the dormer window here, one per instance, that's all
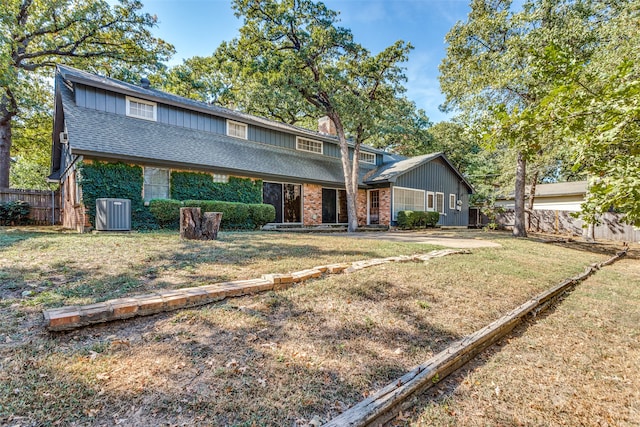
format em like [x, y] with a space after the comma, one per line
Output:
[141, 109]
[365, 157]
[237, 129]
[310, 145]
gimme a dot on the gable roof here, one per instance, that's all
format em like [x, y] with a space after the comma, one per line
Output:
[389, 173]
[110, 136]
[107, 83]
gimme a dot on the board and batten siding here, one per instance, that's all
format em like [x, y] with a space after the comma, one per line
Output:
[437, 176]
[111, 102]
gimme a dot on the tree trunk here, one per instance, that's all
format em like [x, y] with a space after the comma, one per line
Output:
[519, 229]
[532, 198]
[5, 149]
[211, 225]
[350, 172]
[190, 223]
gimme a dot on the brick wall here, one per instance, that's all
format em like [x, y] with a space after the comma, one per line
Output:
[73, 211]
[385, 206]
[312, 204]
[362, 207]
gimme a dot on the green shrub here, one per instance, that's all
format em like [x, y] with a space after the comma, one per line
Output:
[417, 219]
[432, 218]
[261, 214]
[404, 219]
[166, 212]
[235, 216]
[14, 213]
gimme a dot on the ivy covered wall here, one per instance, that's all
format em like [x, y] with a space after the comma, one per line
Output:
[124, 181]
[114, 180]
[200, 186]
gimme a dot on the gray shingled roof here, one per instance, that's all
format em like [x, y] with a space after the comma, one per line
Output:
[75, 75]
[389, 172]
[111, 136]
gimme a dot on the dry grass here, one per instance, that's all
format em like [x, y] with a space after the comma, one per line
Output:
[578, 365]
[280, 358]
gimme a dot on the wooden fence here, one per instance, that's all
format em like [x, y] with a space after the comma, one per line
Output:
[45, 204]
[562, 222]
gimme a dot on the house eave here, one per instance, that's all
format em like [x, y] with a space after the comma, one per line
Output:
[98, 156]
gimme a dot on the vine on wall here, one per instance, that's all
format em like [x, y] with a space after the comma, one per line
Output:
[115, 180]
[200, 186]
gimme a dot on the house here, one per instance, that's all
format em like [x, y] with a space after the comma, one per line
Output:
[560, 196]
[103, 119]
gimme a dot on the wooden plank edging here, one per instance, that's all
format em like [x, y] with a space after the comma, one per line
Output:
[385, 404]
[73, 317]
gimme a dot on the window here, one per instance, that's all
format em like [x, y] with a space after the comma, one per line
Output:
[220, 178]
[156, 183]
[141, 109]
[237, 130]
[407, 199]
[430, 201]
[440, 202]
[365, 157]
[304, 144]
[452, 201]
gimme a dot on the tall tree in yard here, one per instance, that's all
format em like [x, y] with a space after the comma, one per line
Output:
[596, 104]
[296, 46]
[91, 34]
[494, 73]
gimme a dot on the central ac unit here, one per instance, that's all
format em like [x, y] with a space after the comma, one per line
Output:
[113, 214]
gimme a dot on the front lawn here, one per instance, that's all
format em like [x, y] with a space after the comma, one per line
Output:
[279, 358]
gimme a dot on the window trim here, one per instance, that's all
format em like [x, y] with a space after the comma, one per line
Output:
[436, 203]
[452, 198]
[394, 212]
[431, 208]
[366, 153]
[298, 138]
[244, 125]
[152, 104]
[144, 184]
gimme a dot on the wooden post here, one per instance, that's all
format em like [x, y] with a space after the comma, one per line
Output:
[211, 225]
[190, 223]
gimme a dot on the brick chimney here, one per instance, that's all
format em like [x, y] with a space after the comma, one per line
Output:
[326, 126]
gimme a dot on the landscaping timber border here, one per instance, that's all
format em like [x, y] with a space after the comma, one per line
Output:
[72, 317]
[385, 404]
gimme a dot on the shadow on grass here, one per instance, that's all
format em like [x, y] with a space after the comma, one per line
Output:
[215, 365]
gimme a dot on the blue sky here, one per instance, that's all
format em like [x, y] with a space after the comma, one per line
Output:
[196, 27]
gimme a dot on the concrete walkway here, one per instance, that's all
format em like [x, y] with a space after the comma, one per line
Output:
[426, 238]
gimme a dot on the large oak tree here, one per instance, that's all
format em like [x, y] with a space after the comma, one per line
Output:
[295, 50]
[91, 34]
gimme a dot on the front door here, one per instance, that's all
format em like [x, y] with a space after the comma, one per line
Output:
[374, 207]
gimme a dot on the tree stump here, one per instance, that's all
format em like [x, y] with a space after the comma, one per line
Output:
[190, 223]
[211, 225]
[195, 226]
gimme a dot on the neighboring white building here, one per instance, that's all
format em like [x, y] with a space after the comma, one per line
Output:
[561, 196]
